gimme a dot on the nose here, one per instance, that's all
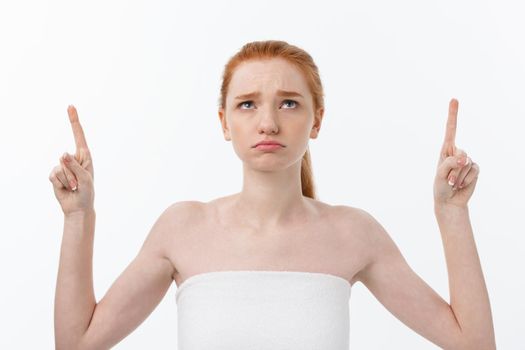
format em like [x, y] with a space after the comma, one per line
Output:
[268, 124]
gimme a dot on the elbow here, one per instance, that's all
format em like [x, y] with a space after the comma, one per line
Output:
[66, 346]
[69, 346]
[478, 336]
[477, 343]
[65, 343]
[478, 346]
[487, 345]
[72, 344]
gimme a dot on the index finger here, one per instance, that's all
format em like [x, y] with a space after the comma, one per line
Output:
[78, 133]
[450, 132]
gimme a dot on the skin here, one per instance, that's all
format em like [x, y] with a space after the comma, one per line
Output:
[269, 225]
[271, 193]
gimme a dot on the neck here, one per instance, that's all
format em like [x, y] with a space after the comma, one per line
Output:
[270, 199]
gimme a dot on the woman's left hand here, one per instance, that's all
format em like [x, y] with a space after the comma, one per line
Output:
[462, 175]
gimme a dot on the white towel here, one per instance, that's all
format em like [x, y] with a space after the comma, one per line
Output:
[256, 310]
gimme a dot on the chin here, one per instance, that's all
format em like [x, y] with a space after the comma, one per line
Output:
[269, 165]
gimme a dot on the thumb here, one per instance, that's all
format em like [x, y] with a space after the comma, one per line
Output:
[77, 169]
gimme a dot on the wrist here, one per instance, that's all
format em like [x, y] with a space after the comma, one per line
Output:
[450, 209]
[80, 214]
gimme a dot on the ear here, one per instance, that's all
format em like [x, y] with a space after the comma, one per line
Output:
[318, 118]
[224, 124]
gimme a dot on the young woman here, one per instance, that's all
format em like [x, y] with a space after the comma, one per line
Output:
[270, 267]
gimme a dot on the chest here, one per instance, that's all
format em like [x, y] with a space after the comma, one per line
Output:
[320, 246]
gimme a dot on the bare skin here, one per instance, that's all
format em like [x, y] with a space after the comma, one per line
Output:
[316, 242]
[269, 225]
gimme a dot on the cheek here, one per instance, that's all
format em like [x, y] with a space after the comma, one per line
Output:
[241, 134]
[301, 131]
[242, 139]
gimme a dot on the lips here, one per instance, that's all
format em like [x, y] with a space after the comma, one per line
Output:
[268, 142]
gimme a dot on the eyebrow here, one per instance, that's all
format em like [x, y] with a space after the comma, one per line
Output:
[279, 93]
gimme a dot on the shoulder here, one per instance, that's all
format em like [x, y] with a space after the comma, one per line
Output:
[352, 217]
[368, 225]
[170, 227]
[346, 219]
[350, 222]
[181, 211]
[173, 220]
[362, 231]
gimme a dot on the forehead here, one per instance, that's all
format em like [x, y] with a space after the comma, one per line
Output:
[269, 74]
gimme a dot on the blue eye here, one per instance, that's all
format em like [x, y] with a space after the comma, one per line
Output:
[291, 101]
[242, 103]
[285, 101]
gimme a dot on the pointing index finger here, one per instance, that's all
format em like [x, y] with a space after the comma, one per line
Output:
[78, 133]
[450, 132]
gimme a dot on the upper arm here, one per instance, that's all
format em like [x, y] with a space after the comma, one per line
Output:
[137, 291]
[402, 292]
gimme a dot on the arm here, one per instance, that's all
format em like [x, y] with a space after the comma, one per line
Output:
[131, 298]
[140, 288]
[468, 293]
[74, 295]
[462, 325]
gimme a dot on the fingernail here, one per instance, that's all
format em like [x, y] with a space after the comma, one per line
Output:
[73, 185]
[66, 157]
[451, 181]
[460, 161]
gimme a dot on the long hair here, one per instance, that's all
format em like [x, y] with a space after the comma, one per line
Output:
[302, 60]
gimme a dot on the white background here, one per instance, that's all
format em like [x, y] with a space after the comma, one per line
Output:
[145, 77]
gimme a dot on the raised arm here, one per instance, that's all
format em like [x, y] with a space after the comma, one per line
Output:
[80, 322]
[73, 187]
[138, 290]
[402, 292]
[465, 323]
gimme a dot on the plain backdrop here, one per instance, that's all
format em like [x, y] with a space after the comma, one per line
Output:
[145, 77]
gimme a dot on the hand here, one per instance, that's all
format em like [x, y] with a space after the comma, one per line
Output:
[462, 175]
[73, 179]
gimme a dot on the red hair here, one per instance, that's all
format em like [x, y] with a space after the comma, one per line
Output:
[301, 59]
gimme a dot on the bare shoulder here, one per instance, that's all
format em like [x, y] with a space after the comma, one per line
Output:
[175, 215]
[362, 234]
[182, 211]
[172, 224]
[353, 221]
[346, 212]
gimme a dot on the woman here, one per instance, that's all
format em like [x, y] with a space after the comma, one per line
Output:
[269, 267]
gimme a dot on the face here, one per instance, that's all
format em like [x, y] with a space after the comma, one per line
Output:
[269, 100]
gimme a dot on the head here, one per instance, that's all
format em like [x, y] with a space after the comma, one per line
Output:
[272, 69]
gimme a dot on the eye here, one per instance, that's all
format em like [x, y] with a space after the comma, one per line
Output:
[292, 101]
[242, 103]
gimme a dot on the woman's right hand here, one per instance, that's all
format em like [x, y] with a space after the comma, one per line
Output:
[73, 180]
